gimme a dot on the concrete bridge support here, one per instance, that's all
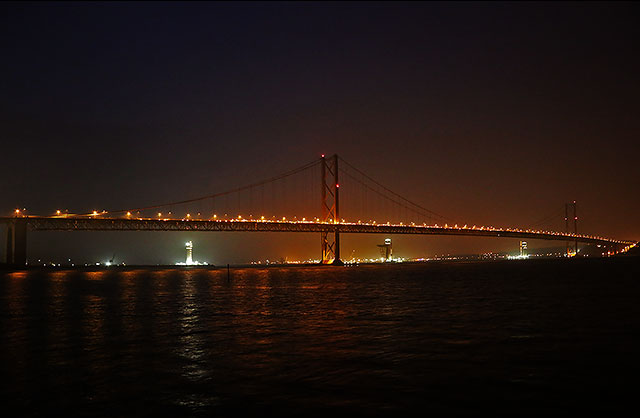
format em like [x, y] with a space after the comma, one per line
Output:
[16, 251]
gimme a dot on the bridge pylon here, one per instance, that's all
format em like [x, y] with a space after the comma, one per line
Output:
[16, 250]
[330, 245]
[575, 227]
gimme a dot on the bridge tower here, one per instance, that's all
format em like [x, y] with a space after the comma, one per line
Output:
[16, 251]
[575, 224]
[523, 248]
[575, 227]
[189, 247]
[330, 210]
[386, 250]
[566, 225]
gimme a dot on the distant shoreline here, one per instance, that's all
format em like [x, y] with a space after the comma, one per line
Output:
[7, 268]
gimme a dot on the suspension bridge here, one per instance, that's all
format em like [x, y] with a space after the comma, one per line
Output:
[312, 198]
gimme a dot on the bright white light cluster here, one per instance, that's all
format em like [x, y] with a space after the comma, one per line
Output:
[518, 257]
[190, 261]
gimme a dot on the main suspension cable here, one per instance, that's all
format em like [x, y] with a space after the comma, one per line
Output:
[228, 192]
[392, 192]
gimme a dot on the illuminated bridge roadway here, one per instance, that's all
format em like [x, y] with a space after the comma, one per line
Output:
[330, 224]
[18, 226]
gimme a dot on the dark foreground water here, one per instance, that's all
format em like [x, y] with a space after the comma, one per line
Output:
[520, 337]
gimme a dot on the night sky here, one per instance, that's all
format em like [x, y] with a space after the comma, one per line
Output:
[493, 113]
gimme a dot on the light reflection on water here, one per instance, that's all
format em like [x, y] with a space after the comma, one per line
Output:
[447, 338]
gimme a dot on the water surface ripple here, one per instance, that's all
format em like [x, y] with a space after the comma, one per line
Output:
[525, 337]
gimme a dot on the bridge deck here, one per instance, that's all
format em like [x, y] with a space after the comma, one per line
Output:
[138, 224]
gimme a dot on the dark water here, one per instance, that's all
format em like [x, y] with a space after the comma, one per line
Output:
[523, 337]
